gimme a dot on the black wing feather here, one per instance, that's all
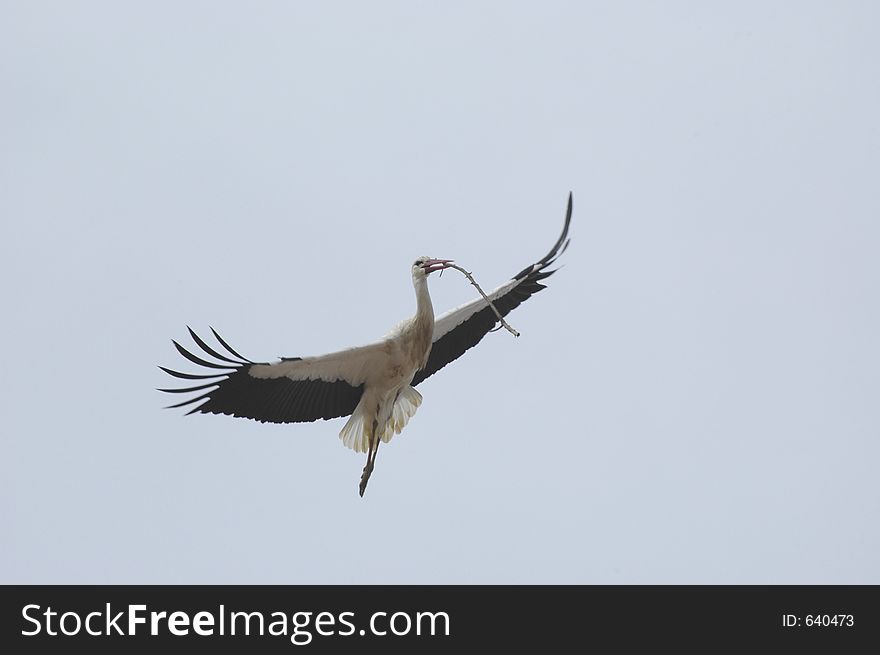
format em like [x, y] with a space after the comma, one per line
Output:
[227, 346]
[210, 350]
[190, 376]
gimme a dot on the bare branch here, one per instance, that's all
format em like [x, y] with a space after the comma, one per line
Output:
[486, 298]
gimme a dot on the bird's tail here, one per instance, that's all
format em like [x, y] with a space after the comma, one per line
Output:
[404, 409]
[355, 433]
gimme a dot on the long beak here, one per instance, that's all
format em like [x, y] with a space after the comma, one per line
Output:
[431, 265]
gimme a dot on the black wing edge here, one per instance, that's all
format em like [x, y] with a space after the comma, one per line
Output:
[558, 248]
[470, 332]
[232, 391]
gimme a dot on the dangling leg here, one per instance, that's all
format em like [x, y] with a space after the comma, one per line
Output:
[368, 469]
[372, 449]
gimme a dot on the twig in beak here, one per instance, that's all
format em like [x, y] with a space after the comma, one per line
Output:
[485, 297]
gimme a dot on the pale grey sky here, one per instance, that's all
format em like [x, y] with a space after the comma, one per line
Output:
[693, 399]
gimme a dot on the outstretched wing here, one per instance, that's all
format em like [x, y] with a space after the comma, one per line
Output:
[292, 390]
[462, 328]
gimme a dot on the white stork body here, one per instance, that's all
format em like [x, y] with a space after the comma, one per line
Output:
[372, 384]
[385, 369]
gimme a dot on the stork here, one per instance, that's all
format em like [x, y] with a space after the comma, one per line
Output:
[374, 385]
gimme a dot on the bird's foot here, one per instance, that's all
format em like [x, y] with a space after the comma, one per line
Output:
[365, 477]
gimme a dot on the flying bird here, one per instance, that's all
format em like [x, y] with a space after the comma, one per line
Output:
[374, 385]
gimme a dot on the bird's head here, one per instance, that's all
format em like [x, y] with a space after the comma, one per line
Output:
[424, 266]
